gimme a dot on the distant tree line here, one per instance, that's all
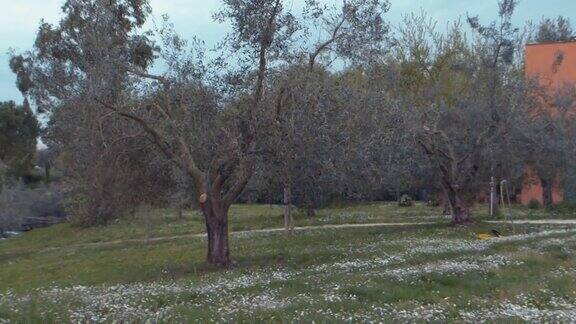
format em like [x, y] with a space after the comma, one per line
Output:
[19, 130]
[25, 200]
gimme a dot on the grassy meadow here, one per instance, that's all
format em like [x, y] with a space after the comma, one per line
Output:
[151, 269]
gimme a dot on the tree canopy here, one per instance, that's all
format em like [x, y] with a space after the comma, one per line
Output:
[19, 130]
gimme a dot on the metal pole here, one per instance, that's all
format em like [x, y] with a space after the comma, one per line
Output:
[492, 195]
[504, 190]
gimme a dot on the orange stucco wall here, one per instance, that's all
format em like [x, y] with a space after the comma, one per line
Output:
[554, 65]
[532, 189]
[542, 61]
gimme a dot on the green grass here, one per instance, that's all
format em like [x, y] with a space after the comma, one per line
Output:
[153, 223]
[325, 275]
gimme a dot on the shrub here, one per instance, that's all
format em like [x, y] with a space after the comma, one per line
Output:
[108, 175]
[112, 187]
[106, 198]
[433, 203]
[534, 204]
[406, 201]
[564, 207]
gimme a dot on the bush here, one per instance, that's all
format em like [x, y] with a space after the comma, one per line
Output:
[433, 203]
[103, 200]
[406, 201]
[113, 187]
[534, 204]
[564, 207]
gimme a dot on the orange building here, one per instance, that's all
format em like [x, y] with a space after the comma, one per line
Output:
[554, 65]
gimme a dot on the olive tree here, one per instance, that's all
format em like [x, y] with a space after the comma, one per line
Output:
[547, 139]
[554, 30]
[461, 97]
[309, 146]
[99, 57]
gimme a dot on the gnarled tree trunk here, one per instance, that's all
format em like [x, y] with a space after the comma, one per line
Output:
[455, 173]
[216, 215]
[461, 214]
[310, 212]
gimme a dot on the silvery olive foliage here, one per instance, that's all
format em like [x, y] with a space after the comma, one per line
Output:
[208, 119]
[553, 30]
[464, 97]
[308, 104]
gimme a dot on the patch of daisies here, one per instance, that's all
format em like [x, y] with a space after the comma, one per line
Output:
[229, 294]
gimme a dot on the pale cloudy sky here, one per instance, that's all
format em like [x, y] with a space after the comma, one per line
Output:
[20, 19]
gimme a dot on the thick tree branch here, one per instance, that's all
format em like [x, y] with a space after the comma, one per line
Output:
[187, 165]
[265, 43]
[327, 43]
[477, 144]
[237, 187]
[146, 75]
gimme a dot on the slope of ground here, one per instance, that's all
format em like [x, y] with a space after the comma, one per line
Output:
[402, 273]
[156, 223]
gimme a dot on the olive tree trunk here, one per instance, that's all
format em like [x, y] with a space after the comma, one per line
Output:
[461, 214]
[216, 215]
[288, 220]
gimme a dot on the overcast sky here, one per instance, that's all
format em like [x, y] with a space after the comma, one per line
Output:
[20, 19]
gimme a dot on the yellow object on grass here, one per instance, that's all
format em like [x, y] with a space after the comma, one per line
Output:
[488, 236]
[485, 236]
